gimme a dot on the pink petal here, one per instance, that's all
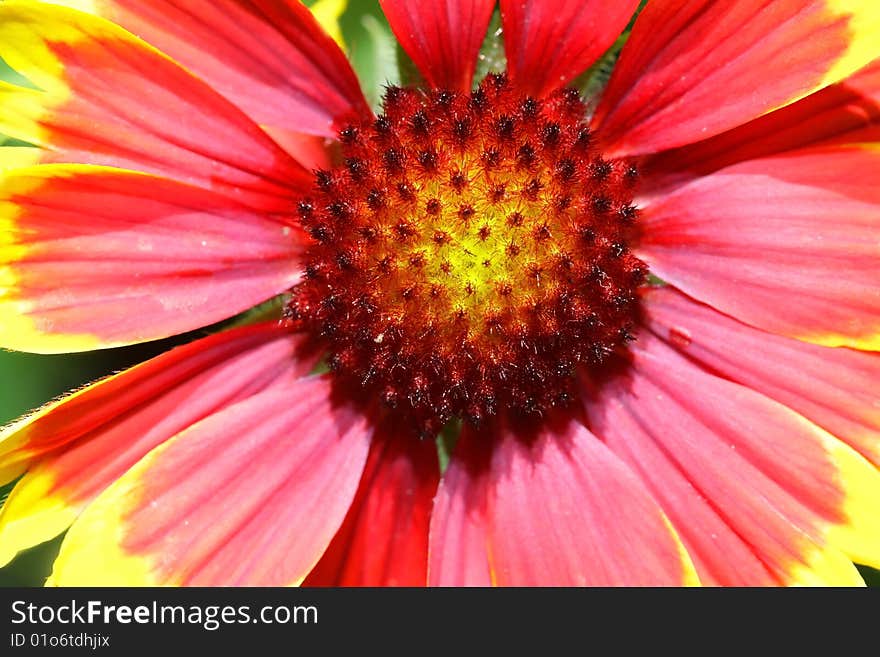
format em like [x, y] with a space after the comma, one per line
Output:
[459, 545]
[787, 244]
[844, 113]
[753, 489]
[286, 464]
[565, 511]
[835, 388]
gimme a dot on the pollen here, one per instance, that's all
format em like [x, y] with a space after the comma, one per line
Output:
[469, 254]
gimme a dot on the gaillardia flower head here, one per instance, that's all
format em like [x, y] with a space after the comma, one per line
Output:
[646, 308]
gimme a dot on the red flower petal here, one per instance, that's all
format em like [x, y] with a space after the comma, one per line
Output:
[758, 494]
[459, 544]
[694, 68]
[835, 388]
[107, 98]
[443, 37]
[550, 42]
[844, 113]
[269, 57]
[93, 257]
[787, 244]
[384, 539]
[290, 460]
[563, 510]
[76, 447]
[311, 151]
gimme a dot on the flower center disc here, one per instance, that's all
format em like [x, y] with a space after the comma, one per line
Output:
[469, 254]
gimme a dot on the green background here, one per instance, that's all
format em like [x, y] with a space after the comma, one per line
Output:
[28, 381]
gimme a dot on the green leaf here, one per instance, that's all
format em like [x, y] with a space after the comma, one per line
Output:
[870, 575]
[592, 82]
[492, 57]
[372, 48]
[410, 76]
[8, 74]
[446, 442]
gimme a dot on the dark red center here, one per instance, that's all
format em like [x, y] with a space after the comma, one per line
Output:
[469, 254]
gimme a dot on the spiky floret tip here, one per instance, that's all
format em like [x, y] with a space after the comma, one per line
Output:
[469, 253]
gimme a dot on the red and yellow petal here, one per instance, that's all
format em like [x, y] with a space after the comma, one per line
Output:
[442, 37]
[458, 552]
[758, 494]
[105, 97]
[550, 42]
[384, 539]
[17, 157]
[787, 244]
[290, 460]
[74, 416]
[93, 257]
[565, 511]
[272, 59]
[76, 447]
[842, 114]
[328, 13]
[835, 388]
[693, 69]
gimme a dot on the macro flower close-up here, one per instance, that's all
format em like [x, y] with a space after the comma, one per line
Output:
[574, 293]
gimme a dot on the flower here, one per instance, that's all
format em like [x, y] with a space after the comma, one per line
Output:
[474, 255]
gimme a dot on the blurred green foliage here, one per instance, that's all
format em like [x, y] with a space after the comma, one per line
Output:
[371, 46]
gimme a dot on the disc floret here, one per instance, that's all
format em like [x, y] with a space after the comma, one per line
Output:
[469, 253]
